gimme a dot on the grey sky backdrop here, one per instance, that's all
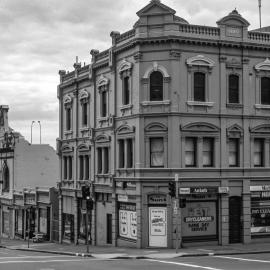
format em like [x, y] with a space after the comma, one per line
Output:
[40, 37]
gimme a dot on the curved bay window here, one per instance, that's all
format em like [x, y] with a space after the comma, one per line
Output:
[233, 88]
[156, 86]
[199, 86]
[5, 187]
[265, 90]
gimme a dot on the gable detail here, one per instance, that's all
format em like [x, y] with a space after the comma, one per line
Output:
[200, 127]
[264, 66]
[200, 60]
[156, 126]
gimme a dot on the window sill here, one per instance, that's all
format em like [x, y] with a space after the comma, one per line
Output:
[84, 129]
[200, 103]
[126, 107]
[156, 103]
[234, 105]
[262, 106]
[68, 132]
[103, 119]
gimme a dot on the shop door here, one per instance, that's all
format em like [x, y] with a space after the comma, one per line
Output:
[157, 226]
[235, 205]
[109, 228]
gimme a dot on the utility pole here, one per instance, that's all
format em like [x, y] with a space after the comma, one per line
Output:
[178, 215]
[260, 14]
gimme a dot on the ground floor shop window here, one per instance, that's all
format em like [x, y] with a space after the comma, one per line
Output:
[68, 227]
[199, 220]
[260, 214]
[5, 223]
[19, 218]
[82, 224]
[127, 221]
[44, 222]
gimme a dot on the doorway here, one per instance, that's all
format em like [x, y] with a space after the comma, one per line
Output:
[235, 226]
[109, 228]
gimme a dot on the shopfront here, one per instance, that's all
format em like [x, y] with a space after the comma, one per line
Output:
[19, 222]
[127, 220]
[199, 214]
[68, 219]
[260, 211]
[158, 220]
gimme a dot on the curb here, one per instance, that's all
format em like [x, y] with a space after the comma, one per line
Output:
[138, 257]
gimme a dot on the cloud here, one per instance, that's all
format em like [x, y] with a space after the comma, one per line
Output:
[40, 37]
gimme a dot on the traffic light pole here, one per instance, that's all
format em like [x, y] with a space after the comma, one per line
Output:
[178, 216]
[86, 220]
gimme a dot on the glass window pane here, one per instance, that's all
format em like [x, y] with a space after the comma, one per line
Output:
[156, 86]
[157, 152]
[233, 89]
[199, 86]
[208, 152]
[265, 90]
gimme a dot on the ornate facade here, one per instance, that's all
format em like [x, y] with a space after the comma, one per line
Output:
[168, 98]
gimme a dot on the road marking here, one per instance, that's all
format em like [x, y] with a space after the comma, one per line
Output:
[37, 257]
[186, 264]
[69, 260]
[242, 259]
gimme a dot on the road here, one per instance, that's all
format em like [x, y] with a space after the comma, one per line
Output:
[18, 260]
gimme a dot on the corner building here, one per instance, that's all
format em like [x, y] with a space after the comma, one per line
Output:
[167, 98]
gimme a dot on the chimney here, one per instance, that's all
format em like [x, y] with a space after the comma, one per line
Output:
[4, 118]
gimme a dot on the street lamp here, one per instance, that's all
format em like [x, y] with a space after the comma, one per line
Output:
[32, 129]
[39, 132]
[29, 224]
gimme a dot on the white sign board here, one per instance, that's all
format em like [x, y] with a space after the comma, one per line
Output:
[158, 226]
[128, 221]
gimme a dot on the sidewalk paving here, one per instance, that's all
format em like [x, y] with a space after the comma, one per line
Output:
[109, 252]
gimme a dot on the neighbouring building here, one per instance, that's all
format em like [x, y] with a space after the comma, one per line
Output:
[168, 97]
[28, 194]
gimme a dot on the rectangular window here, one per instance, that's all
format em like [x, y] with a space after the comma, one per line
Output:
[129, 153]
[81, 161]
[84, 114]
[65, 161]
[258, 152]
[233, 152]
[265, 90]
[103, 103]
[70, 168]
[126, 91]
[190, 152]
[199, 86]
[208, 152]
[121, 153]
[233, 89]
[106, 159]
[68, 118]
[156, 152]
[86, 167]
[99, 160]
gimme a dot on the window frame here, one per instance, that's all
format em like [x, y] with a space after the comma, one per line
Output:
[194, 143]
[265, 90]
[261, 142]
[235, 152]
[202, 87]
[211, 151]
[231, 90]
[160, 86]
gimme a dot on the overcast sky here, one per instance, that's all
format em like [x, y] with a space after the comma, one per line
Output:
[40, 37]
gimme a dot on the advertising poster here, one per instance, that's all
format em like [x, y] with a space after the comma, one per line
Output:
[158, 221]
[199, 219]
[128, 221]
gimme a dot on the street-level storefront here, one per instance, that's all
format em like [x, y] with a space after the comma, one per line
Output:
[7, 220]
[158, 225]
[260, 211]
[199, 214]
[68, 219]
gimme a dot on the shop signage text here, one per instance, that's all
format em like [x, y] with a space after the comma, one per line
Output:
[198, 190]
[157, 199]
[260, 188]
[122, 198]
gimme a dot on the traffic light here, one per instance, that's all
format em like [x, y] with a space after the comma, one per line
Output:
[172, 189]
[85, 192]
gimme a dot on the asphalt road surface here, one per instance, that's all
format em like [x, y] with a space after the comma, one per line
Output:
[18, 260]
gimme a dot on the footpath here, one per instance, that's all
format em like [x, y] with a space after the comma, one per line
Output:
[109, 252]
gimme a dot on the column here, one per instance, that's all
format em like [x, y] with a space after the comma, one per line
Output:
[246, 220]
[75, 209]
[224, 216]
[60, 198]
[199, 157]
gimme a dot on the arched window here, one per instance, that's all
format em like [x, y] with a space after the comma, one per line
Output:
[265, 90]
[199, 86]
[5, 178]
[233, 89]
[156, 86]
